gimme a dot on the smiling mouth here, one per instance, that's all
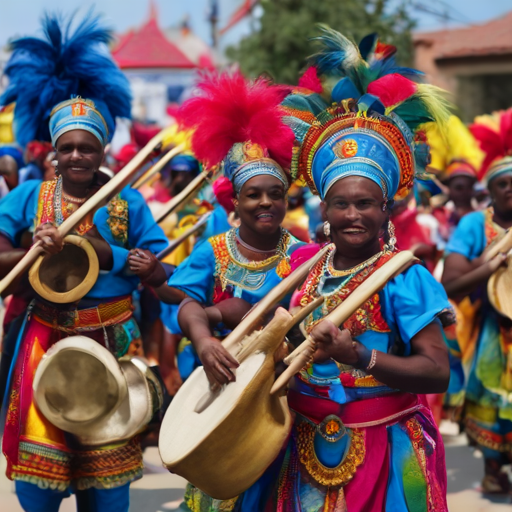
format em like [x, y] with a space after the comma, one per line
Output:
[79, 169]
[354, 231]
[264, 216]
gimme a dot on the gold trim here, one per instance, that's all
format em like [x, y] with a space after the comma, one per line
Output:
[330, 477]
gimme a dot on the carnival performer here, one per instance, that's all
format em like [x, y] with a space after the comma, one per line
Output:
[238, 123]
[46, 463]
[488, 406]
[363, 440]
[456, 160]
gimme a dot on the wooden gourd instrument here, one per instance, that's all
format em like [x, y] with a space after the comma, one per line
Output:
[226, 447]
[499, 285]
[100, 198]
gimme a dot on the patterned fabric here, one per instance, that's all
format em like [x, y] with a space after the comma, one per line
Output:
[231, 268]
[118, 219]
[398, 453]
[38, 452]
[49, 201]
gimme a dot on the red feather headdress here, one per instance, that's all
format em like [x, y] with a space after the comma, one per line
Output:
[494, 133]
[237, 121]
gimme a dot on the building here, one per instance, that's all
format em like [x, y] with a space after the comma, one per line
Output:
[473, 63]
[161, 68]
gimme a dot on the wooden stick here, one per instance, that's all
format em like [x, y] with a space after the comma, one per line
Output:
[504, 245]
[247, 350]
[177, 200]
[348, 307]
[158, 166]
[251, 320]
[180, 239]
[104, 194]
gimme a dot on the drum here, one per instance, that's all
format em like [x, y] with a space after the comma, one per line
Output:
[67, 276]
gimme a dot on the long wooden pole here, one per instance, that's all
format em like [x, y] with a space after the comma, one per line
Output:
[180, 198]
[104, 194]
[339, 315]
[158, 166]
[180, 239]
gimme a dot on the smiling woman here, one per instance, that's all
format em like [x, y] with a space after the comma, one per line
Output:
[246, 262]
[363, 437]
[40, 456]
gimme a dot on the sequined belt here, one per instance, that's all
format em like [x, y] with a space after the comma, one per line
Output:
[361, 413]
[88, 319]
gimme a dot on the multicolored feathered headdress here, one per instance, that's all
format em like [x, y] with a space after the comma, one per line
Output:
[43, 73]
[455, 154]
[364, 120]
[239, 123]
[494, 133]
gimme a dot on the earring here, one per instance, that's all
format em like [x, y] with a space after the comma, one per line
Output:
[327, 229]
[384, 206]
[55, 165]
[390, 245]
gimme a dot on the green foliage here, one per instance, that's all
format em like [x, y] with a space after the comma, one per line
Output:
[281, 44]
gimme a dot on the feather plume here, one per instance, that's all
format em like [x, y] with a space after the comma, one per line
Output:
[506, 131]
[494, 134]
[64, 63]
[428, 103]
[228, 109]
[338, 55]
[392, 89]
[460, 145]
[309, 80]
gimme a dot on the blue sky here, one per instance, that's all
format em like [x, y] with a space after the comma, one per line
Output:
[21, 17]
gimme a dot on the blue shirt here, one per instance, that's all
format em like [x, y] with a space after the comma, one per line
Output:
[18, 211]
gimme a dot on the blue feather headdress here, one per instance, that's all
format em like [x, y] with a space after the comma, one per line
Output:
[364, 120]
[66, 63]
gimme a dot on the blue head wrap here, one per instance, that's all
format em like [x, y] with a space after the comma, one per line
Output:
[247, 160]
[64, 64]
[184, 163]
[13, 152]
[356, 152]
[79, 114]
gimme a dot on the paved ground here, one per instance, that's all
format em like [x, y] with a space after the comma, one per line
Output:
[159, 491]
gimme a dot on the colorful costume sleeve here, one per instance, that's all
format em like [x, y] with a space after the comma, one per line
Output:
[128, 224]
[414, 299]
[469, 238]
[18, 209]
[195, 275]
[125, 223]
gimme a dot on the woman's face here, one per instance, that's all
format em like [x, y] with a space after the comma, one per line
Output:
[353, 207]
[79, 155]
[262, 204]
[461, 189]
[500, 189]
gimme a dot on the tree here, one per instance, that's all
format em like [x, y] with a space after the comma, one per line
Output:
[282, 42]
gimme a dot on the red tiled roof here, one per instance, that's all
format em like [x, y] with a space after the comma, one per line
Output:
[149, 48]
[491, 38]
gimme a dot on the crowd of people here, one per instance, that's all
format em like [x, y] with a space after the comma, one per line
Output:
[359, 162]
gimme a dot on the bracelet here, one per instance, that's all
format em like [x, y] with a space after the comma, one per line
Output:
[373, 360]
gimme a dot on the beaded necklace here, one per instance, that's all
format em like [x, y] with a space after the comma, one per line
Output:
[231, 267]
[55, 207]
[329, 262]
[236, 255]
